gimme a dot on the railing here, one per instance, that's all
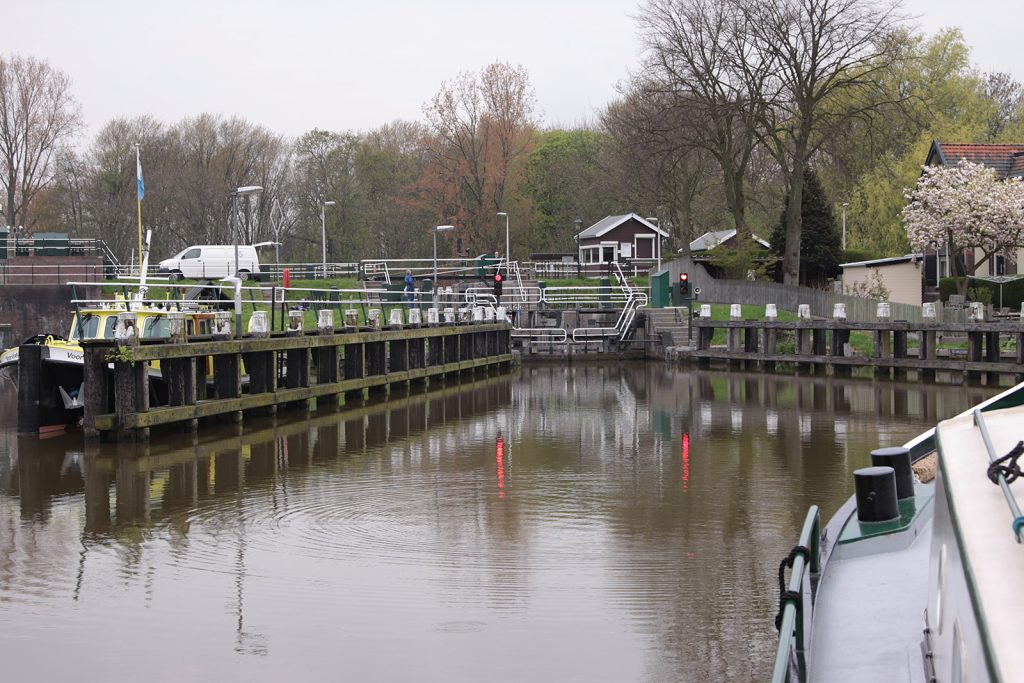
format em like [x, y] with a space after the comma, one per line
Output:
[999, 477]
[796, 602]
[58, 273]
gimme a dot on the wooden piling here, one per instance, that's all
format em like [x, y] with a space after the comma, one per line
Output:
[30, 379]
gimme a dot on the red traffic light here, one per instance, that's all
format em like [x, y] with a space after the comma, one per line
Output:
[683, 277]
[684, 284]
[497, 277]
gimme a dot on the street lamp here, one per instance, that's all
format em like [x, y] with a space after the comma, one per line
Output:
[579, 244]
[240, 192]
[845, 204]
[440, 228]
[323, 232]
[508, 256]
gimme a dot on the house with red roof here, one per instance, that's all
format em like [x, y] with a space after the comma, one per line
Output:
[1008, 162]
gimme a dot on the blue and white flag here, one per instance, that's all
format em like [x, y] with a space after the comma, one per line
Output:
[142, 186]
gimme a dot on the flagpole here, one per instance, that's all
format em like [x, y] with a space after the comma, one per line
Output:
[138, 167]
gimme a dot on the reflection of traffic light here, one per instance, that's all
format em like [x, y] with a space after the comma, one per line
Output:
[684, 284]
[497, 285]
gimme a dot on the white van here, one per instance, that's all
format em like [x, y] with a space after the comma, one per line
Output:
[212, 261]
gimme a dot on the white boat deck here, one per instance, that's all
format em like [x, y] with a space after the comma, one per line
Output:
[868, 619]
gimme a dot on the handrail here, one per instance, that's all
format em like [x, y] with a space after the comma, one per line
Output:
[1000, 477]
[796, 612]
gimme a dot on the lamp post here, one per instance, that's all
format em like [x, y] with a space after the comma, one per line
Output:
[508, 255]
[439, 228]
[845, 204]
[323, 232]
[579, 244]
[240, 192]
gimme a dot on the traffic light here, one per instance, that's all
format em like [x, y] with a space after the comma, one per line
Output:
[497, 286]
[684, 284]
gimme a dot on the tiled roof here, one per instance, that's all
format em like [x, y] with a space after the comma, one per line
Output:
[1007, 160]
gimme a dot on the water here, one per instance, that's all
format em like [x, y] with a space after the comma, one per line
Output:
[590, 523]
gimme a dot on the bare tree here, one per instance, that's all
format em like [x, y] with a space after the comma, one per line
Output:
[482, 124]
[1008, 101]
[695, 64]
[37, 115]
[826, 62]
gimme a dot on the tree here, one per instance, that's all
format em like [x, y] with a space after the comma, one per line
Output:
[566, 179]
[820, 239]
[37, 115]
[968, 208]
[822, 65]
[694, 64]
[656, 172]
[482, 125]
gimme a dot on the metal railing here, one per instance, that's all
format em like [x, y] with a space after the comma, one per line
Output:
[998, 476]
[797, 602]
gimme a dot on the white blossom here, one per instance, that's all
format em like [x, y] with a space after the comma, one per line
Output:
[967, 206]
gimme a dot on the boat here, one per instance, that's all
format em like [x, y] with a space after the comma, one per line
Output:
[62, 357]
[917, 576]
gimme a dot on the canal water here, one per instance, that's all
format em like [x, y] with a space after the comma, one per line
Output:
[583, 523]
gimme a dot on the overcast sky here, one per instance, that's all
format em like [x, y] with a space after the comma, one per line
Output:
[294, 65]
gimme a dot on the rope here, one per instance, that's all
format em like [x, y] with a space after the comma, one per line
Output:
[788, 596]
[1010, 471]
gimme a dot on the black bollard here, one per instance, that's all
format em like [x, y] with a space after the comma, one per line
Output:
[898, 458]
[30, 377]
[876, 494]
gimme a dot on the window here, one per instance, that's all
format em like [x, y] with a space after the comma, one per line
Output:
[156, 327]
[190, 253]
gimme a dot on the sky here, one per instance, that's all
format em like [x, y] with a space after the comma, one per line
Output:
[295, 65]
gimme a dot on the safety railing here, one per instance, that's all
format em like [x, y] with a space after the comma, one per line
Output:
[796, 602]
[998, 472]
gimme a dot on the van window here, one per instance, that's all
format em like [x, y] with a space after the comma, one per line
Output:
[190, 253]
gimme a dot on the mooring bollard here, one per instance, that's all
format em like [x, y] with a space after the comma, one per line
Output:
[351, 318]
[734, 333]
[416, 317]
[883, 311]
[373, 319]
[395, 319]
[258, 326]
[928, 311]
[465, 316]
[705, 310]
[325, 321]
[839, 312]
[735, 311]
[488, 314]
[176, 327]
[294, 323]
[803, 311]
[501, 314]
[771, 311]
[976, 312]
[432, 316]
[222, 324]
[478, 314]
[449, 316]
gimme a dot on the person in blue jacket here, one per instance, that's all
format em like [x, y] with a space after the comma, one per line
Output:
[410, 287]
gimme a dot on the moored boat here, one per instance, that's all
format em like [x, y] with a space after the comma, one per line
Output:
[62, 358]
[915, 580]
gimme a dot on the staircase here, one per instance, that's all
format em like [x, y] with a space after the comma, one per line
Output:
[670, 324]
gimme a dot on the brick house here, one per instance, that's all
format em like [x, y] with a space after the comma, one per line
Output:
[618, 239]
[1008, 162]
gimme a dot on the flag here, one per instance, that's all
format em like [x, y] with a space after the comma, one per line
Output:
[142, 186]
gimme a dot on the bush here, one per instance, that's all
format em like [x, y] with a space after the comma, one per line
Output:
[984, 291]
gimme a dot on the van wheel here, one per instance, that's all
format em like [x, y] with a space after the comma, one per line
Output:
[174, 276]
[243, 275]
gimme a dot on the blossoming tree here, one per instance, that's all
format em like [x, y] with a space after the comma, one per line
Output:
[967, 206]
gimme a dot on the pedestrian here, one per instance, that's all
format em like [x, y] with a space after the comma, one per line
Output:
[410, 287]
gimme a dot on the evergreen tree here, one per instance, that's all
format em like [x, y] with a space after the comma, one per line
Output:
[820, 239]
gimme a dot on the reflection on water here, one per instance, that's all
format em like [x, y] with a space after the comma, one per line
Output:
[581, 523]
